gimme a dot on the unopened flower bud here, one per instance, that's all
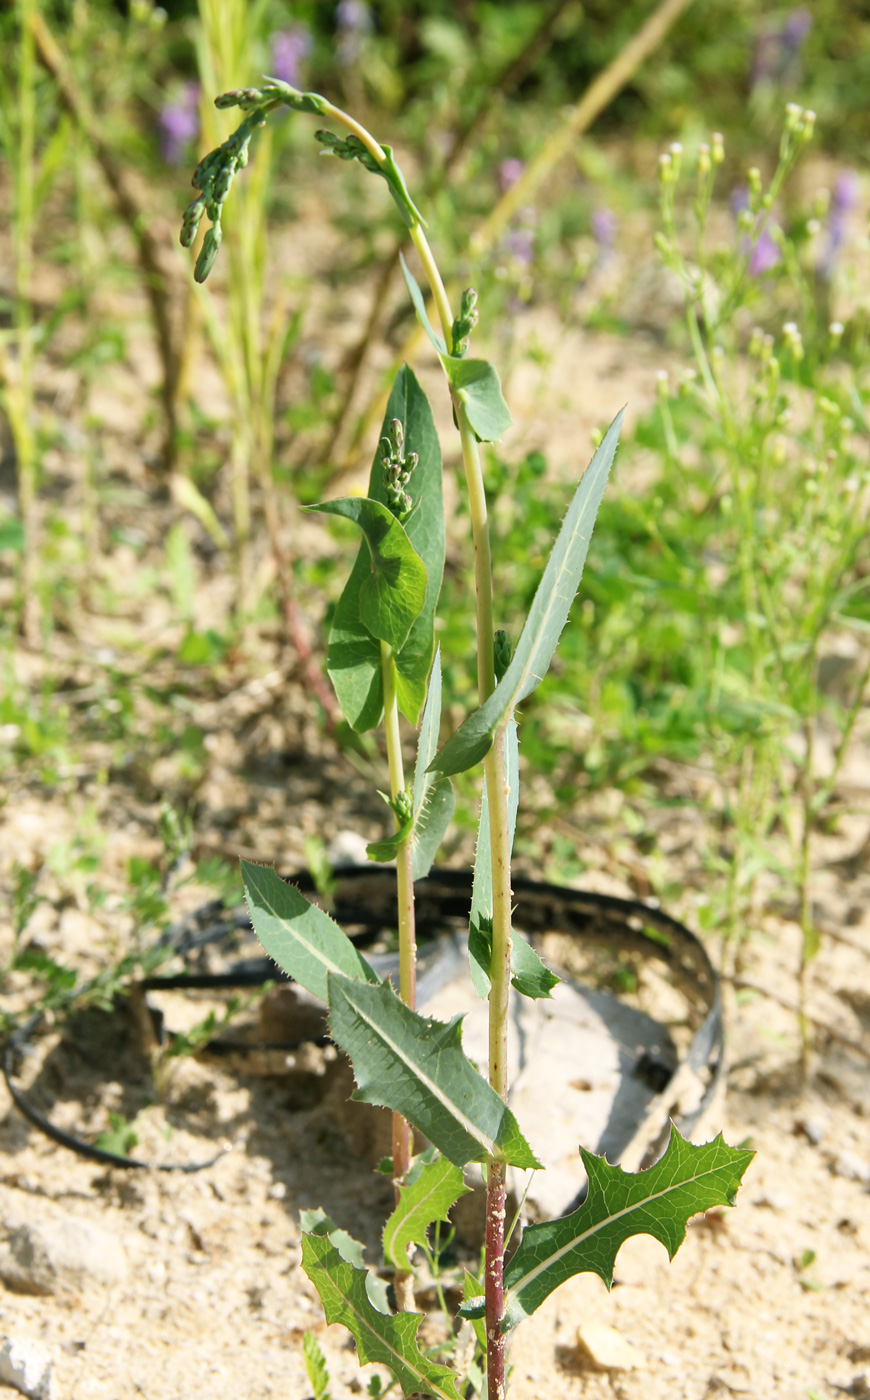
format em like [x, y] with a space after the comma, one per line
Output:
[835, 331]
[704, 162]
[397, 436]
[207, 253]
[717, 148]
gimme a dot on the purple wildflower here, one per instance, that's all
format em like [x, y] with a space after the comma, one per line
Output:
[778, 48]
[603, 224]
[353, 20]
[290, 47]
[760, 245]
[179, 125]
[520, 245]
[509, 172]
[843, 201]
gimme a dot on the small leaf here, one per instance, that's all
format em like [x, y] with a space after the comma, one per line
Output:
[478, 387]
[420, 306]
[386, 1341]
[543, 626]
[530, 975]
[417, 1067]
[659, 1202]
[301, 938]
[428, 1196]
[315, 1365]
[354, 656]
[391, 598]
[388, 848]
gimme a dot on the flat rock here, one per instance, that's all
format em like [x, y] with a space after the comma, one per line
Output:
[605, 1349]
[26, 1365]
[61, 1252]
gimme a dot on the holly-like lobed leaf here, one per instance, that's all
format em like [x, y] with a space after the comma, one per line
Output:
[302, 939]
[392, 596]
[317, 1222]
[547, 616]
[687, 1180]
[433, 1187]
[417, 1067]
[384, 1340]
[434, 799]
[354, 654]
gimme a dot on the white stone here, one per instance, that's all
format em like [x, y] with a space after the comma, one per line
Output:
[45, 1256]
[605, 1348]
[27, 1366]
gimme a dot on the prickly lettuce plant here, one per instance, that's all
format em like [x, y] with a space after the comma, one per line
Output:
[383, 663]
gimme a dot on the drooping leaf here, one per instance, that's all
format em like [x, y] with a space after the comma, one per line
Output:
[301, 938]
[434, 799]
[386, 1341]
[391, 598]
[433, 1188]
[660, 1201]
[478, 387]
[317, 1222]
[547, 616]
[354, 655]
[416, 1066]
[530, 975]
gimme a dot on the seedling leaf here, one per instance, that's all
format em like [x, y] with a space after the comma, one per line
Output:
[386, 1341]
[543, 626]
[354, 655]
[315, 1365]
[428, 1197]
[417, 1067]
[687, 1180]
[391, 598]
[302, 938]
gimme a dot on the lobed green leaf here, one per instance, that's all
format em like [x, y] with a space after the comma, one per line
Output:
[687, 1180]
[302, 939]
[417, 1067]
[543, 626]
[384, 1340]
[433, 1187]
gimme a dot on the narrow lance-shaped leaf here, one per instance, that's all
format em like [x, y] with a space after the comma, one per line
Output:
[392, 597]
[475, 382]
[301, 938]
[434, 799]
[687, 1180]
[386, 1341]
[354, 655]
[417, 1067]
[433, 1187]
[547, 616]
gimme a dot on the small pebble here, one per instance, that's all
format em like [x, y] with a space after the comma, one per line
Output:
[277, 1191]
[27, 1366]
[606, 1349]
[852, 1167]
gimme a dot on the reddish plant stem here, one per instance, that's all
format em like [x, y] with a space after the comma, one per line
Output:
[494, 1281]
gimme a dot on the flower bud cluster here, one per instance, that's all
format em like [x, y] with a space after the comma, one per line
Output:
[214, 177]
[347, 148]
[397, 470]
[403, 805]
[465, 322]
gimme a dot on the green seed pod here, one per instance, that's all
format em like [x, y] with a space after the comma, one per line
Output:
[502, 652]
[208, 252]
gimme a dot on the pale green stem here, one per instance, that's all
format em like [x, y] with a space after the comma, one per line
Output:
[403, 1283]
[25, 443]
